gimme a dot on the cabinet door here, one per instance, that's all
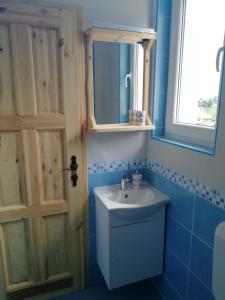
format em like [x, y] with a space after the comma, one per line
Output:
[136, 252]
[41, 115]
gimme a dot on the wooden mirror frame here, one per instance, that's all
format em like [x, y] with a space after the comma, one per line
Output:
[121, 36]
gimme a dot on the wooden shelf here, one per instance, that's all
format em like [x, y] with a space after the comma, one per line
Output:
[119, 128]
[101, 128]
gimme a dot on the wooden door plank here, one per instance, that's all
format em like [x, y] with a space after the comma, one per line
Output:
[32, 165]
[7, 104]
[40, 21]
[18, 254]
[41, 121]
[10, 181]
[45, 50]
[23, 69]
[43, 5]
[52, 161]
[36, 10]
[73, 95]
[56, 237]
[44, 291]
[37, 245]
[22, 211]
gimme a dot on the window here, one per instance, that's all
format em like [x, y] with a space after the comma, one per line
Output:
[197, 32]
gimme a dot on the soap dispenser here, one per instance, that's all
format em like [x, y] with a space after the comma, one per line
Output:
[137, 180]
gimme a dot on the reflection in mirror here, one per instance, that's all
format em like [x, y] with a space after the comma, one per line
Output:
[118, 80]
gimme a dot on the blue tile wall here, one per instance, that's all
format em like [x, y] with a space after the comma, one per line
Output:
[176, 272]
[181, 201]
[187, 185]
[201, 261]
[193, 214]
[190, 225]
[95, 274]
[163, 41]
[176, 232]
[161, 66]
[206, 218]
[160, 110]
[164, 8]
[197, 291]
[165, 287]
[151, 177]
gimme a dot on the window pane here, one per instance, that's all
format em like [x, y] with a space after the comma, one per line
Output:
[199, 81]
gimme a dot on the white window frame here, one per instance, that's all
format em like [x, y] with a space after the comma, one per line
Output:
[135, 88]
[200, 135]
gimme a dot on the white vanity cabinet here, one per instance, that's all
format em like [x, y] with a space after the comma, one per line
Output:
[129, 250]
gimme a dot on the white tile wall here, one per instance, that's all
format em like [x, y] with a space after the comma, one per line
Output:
[116, 146]
[126, 7]
[212, 169]
[207, 169]
[177, 159]
[124, 12]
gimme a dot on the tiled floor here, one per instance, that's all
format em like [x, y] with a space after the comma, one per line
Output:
[138, 291]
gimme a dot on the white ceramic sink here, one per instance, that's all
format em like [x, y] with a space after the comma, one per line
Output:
[131, 203]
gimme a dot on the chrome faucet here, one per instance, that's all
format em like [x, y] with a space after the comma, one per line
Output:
[124, 182]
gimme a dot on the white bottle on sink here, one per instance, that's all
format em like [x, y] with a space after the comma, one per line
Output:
[137, 180]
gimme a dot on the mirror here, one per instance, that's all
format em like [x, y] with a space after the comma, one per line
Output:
[118, 80]
[118, 70]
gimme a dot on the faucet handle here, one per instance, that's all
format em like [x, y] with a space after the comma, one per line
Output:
[125, 178]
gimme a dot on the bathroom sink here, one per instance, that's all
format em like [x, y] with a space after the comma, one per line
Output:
[131, 203]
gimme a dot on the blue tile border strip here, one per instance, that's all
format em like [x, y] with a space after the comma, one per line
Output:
[116, 165]
[199, 189]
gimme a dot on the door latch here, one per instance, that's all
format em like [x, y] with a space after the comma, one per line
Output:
[73, 168]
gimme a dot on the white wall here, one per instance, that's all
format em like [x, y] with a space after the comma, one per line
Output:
[115, 146]
[125, 12]
[102, 147]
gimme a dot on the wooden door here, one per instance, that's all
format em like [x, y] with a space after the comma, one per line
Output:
[41, 117]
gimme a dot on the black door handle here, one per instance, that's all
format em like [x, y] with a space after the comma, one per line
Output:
[73, 168]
